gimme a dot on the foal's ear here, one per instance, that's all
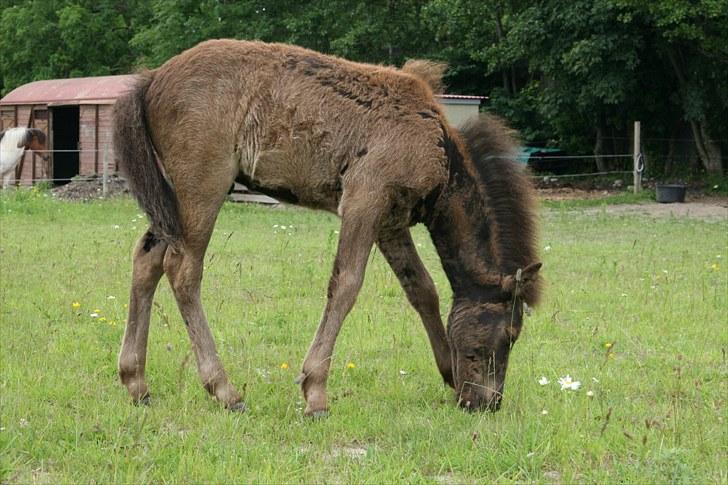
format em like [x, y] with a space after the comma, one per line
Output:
[522, 281]
[528, 274]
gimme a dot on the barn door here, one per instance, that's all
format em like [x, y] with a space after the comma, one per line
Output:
[65, 143]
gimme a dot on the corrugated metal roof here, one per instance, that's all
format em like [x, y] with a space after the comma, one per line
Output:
[105, 90]
[459, 96]
[82, 90]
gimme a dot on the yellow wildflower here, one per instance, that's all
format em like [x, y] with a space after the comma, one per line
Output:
[715, 267]
[284, 365]
[102, 319]
[608, 345]
[350, 365]
[75, 305]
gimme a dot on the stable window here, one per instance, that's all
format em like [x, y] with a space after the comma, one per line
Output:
[7, 118]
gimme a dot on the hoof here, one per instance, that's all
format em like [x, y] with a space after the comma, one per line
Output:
[318, 415]
[145, 400]
[238, 407]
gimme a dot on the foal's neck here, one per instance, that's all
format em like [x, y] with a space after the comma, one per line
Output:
[461, 233]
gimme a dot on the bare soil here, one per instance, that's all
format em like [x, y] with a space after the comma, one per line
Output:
[709, 211]
[697, 204]
[571, 193]
[91, 187]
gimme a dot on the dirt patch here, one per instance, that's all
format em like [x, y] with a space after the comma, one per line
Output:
[449, 479]
[352, 452]
[697, 210]
[571, 193]
[698, 205]
[91, 187]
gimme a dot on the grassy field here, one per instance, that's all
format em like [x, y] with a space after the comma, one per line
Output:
[635, 310]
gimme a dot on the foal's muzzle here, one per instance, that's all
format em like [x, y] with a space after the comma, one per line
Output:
[479, 398]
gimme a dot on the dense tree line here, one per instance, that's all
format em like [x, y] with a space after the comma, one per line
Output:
[567, 73]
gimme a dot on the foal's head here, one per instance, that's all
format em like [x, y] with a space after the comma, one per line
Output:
[484, 324]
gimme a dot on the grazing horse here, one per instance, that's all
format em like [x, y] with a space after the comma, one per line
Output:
[367, 142]
[13, 143]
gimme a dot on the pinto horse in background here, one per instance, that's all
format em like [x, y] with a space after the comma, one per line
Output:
[367, 142]
[13, 143]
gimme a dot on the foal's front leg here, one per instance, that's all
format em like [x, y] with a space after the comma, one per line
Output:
[358, 232]
[399, 250]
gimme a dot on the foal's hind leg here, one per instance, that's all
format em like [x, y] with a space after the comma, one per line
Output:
[183, 266]
[148, 258]
[399, 250]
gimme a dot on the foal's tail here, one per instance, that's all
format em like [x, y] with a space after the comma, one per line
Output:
[138, 162]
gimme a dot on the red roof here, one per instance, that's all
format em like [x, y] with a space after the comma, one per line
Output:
[103, 90]
[460, 96]
[82, 90]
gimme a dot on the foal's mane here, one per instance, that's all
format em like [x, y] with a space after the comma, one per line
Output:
[430, 72]
[509, 197]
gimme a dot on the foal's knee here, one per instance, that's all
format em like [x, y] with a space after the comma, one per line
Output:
[148, 267]
[184, 273]
[423, 295]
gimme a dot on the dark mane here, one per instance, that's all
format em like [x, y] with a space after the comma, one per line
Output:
[38, 134]
[30, 133]
[510, 199]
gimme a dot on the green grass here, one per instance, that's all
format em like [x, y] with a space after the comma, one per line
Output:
[655, 289]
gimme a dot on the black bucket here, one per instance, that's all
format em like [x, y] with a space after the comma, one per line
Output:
[669, 193]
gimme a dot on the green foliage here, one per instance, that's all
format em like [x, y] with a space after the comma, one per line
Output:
[45, 39]
[572, 74]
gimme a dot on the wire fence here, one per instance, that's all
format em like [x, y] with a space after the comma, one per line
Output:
[575, 175]
[106, 170]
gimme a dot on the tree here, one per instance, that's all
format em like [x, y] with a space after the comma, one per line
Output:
[382, 31]
[691, 40]
[55, 39]
[567, 73]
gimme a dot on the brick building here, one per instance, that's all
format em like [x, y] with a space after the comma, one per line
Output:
[76, 116]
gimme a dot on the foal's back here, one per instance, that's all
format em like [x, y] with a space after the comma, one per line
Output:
[293, 122]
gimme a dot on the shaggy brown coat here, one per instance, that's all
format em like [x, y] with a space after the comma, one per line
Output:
[367, 142]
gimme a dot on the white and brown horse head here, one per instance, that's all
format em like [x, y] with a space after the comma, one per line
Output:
[34, 139]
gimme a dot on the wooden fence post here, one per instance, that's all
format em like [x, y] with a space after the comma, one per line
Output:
[104, 186]
[637, 158]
